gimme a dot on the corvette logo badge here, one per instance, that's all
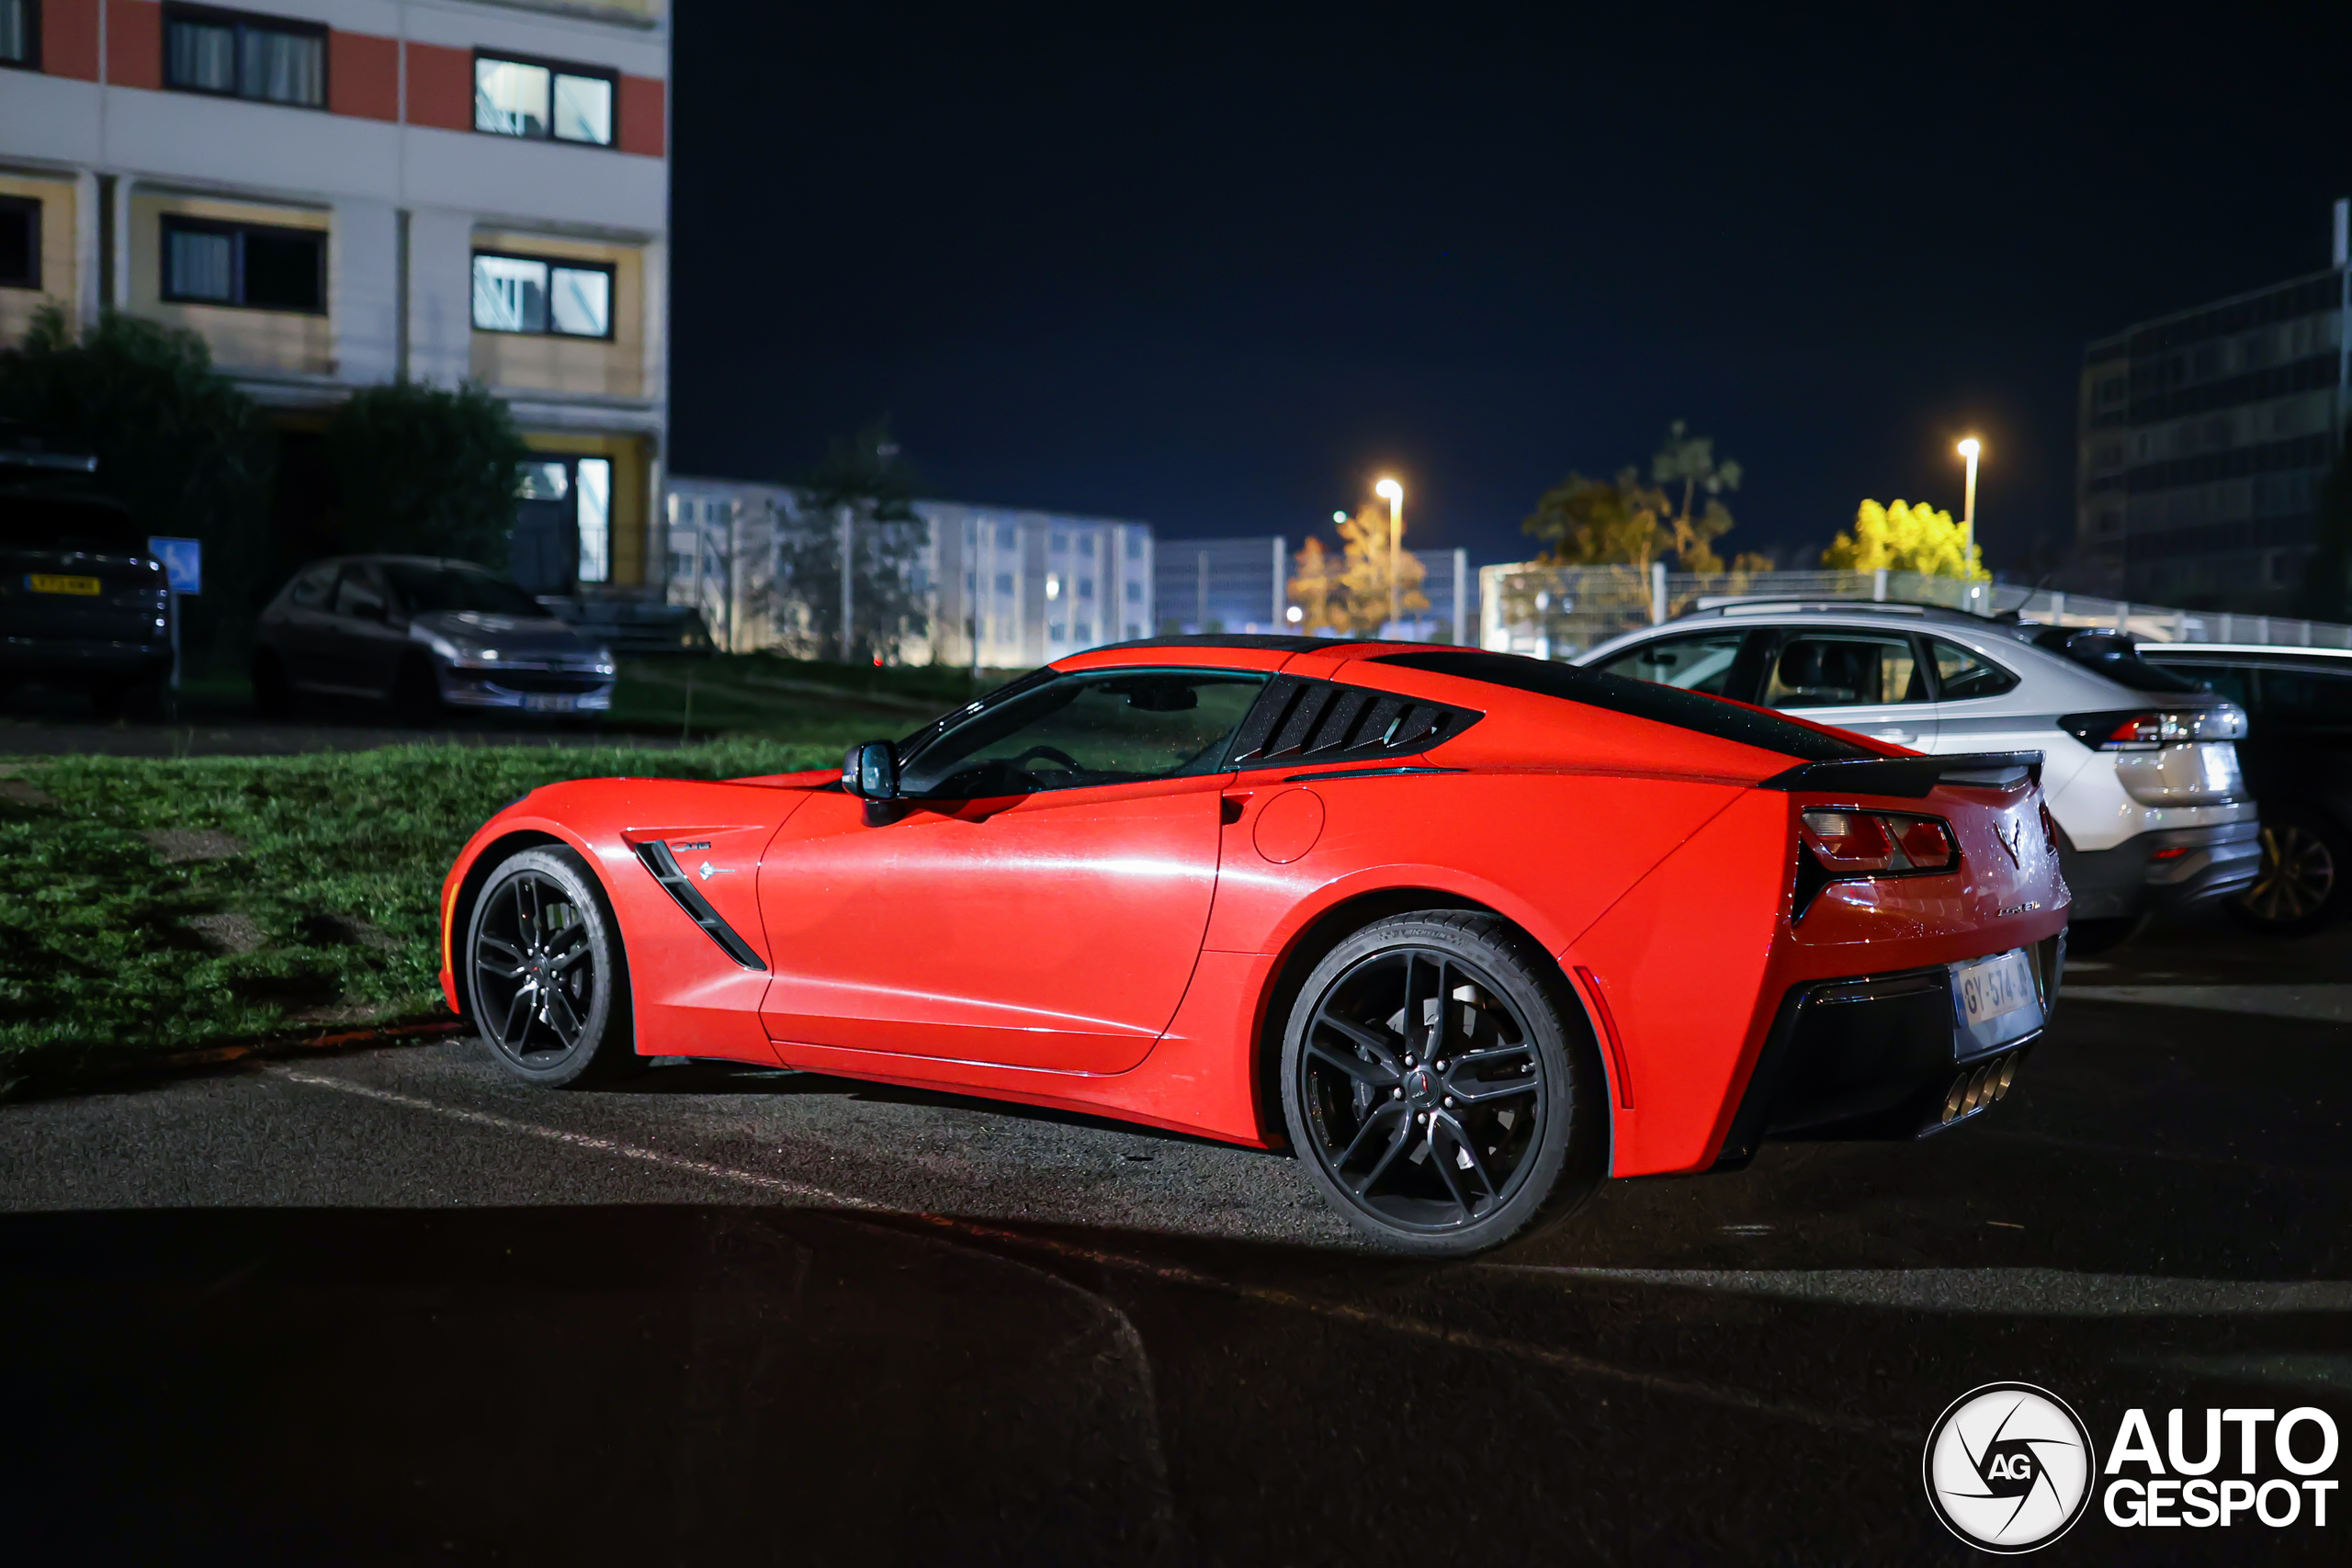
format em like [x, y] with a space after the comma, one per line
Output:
[707, 871]
[2012, 837]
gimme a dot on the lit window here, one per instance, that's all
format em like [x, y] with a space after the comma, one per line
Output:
[595, 489]
[239, 56]
[530, 294]
[253, 265]
[538, 100]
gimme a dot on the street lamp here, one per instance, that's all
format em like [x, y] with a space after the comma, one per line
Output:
[1393, 493]
[1968, 450]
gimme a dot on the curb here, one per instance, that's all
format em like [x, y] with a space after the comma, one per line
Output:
[37, 1083]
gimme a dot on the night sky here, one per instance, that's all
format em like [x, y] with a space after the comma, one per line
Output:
[1215, 271]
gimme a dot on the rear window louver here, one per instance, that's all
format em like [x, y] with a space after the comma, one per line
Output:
[1319, 721]
[679, 886]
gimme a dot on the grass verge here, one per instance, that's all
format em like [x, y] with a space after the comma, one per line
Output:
[153, 907]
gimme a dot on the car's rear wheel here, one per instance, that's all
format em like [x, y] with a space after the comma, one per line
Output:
[273, 692]
[1441, 1087]
[546, 978]
[2301, 884]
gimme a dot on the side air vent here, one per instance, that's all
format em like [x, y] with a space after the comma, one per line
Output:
[1318, 721]
[679, 886]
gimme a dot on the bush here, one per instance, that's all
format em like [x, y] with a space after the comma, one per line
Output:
[177, 442]
[421, 470]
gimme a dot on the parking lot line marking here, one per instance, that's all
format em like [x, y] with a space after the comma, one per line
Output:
[1566, 1361]
[2011, 1291]
[2325, 1003]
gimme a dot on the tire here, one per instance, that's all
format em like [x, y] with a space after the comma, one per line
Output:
[2301, 885]
[548, 981]
[273, 693]
[416, 693]
[1368, 1109]
[2085, 937]
[132, 699]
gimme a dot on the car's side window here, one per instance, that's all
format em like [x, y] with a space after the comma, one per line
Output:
[1110, 727]
[1702, 662]
[1961, 673]
[311, 589]
[2308, 696]
[355, 593]
[1836, 669]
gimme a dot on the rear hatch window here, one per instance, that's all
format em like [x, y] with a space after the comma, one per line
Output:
[52, 524]
[2114, 656]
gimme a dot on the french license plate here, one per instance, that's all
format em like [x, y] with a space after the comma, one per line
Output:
[1993, 986]
[42, 582]
[539, 703]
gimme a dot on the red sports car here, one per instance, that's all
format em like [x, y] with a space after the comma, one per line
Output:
[1466, 931]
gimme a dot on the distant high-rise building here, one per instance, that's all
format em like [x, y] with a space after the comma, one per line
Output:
[2203, 439]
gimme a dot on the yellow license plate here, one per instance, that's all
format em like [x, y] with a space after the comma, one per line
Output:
[41, 583]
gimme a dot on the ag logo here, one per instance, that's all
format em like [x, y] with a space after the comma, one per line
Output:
[2008, 1467]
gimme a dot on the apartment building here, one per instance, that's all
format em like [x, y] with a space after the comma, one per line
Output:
[336, 193]
[1002, 587]
[2203, 438]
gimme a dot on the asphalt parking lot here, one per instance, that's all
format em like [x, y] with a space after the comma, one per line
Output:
[388, 1306]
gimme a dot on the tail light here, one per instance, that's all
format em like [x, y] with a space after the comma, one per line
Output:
[2146, 730]
[1845, 844]
[1867, 844]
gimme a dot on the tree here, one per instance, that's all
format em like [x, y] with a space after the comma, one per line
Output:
[423, 470]
[1350, 595]
[1897, 537]
[2326, 593]
[177, 443]
[1585, 522]
[867, 481]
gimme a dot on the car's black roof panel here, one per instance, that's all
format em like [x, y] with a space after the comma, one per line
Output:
[1280, 642]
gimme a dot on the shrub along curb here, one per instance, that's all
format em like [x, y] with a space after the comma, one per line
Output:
[46, 1080]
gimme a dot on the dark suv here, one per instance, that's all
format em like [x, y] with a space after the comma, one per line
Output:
[2298, 760]
[423, 633]
[83, 600]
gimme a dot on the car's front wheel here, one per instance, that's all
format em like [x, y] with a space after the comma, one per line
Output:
[1441, 1087]
[546, 978]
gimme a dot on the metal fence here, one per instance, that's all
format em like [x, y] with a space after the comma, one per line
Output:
[1557, 612]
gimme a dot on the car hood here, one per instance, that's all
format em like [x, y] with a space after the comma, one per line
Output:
[534, 633]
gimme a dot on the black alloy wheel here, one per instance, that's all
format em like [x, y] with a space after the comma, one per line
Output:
[546, 982]
[2300, 878]
[1435, 1088]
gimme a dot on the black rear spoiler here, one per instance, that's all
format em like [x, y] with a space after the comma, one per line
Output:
[1909, 777]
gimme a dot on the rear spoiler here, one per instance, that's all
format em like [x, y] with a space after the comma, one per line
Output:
[1909, 777]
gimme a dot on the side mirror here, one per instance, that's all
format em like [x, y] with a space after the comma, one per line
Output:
[870, 772]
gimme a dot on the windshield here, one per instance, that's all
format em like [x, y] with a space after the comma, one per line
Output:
[424, 589]
[2114, 656]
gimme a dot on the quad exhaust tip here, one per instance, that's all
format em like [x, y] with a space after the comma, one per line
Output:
[1976, 1088]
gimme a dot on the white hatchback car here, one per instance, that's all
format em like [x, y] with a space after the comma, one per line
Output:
[2138, 768]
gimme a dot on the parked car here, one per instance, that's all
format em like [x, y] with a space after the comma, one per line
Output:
[2298, 759]
[2140, 767]
[424, 634]
[82, 601]
[1467, 931]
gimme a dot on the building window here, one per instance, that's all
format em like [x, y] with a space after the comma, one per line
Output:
[533, 294]
[239, 56]
[1135, 592]
[546, 101]
[20, 33]
[595, 490]
[19, 243]
[252, 265]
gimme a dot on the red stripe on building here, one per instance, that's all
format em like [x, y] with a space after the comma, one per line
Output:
[363, 75]
[440, 86]
[135, 43]
[640, 114]
[69, 38]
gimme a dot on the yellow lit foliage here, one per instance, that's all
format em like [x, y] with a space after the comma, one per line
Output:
[1349, 592]
[1901, 538]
